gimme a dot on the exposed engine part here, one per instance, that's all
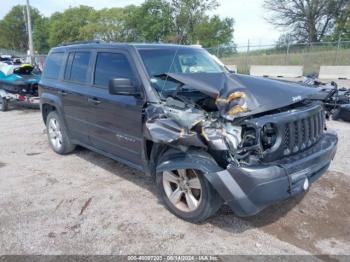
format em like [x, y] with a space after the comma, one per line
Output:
[215, 138]
[233, 135]
[183, 114]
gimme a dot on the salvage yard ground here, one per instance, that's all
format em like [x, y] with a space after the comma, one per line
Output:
[85, 203]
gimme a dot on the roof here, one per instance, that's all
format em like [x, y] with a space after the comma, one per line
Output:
[101, 44]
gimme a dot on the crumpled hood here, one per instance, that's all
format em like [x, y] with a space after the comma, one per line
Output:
[261, 94]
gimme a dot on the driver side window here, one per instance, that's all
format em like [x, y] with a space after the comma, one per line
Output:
[109, 66]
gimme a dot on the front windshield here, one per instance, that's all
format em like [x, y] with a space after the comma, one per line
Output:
[159, 61]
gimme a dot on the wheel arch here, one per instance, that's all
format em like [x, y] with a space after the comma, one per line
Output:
[173, 159]
[49, 103]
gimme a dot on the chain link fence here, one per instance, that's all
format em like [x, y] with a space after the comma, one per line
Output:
[39, 59]
[311, 56]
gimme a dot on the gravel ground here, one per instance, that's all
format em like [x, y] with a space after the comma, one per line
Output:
[85, 203]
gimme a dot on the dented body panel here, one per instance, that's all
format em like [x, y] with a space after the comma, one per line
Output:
[261, 94]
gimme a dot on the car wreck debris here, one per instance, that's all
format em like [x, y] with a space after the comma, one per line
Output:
[336, 100]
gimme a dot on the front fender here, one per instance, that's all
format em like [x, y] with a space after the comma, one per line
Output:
[199, 160]
[221, 179]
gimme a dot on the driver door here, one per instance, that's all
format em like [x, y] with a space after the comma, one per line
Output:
[116, 120]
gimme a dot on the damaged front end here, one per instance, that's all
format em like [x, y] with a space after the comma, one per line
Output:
[185, 127]
[257, 148]
[221, 120]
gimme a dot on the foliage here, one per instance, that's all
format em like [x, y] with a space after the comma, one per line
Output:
[153, 21]
[306, 20]
[13, 30]
[109, 24]
[342, 29]
[188, 14]
[69, 25]
[176, 21]
[213, 31]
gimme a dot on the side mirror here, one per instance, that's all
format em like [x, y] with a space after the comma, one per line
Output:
[122, 86]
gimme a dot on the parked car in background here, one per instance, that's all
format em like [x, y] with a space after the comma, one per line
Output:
[207, 136]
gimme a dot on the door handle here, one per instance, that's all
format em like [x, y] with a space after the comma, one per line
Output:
[94, 101]
[62, 93]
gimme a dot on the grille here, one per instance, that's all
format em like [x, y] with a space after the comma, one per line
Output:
[302, 133]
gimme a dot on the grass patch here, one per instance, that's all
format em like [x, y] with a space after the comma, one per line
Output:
[311, 60]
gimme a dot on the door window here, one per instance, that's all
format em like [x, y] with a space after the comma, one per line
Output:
[78, 67]
[109, 66]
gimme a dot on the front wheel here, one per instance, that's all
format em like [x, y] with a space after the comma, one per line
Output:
[57, 135]
[188, 194]
[3, 104]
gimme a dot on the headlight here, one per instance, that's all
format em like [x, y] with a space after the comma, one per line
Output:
[268, 136]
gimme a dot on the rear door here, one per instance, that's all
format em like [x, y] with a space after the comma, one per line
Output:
[74, 93]
[116, 120]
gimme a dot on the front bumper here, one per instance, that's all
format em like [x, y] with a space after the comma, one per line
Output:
[247, 190]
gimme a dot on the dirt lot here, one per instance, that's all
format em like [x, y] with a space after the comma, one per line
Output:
[85, 203]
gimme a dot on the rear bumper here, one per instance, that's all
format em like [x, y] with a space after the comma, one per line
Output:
[248, 190]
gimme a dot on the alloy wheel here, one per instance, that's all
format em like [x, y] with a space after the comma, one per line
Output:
[183, 189]
[55, 133]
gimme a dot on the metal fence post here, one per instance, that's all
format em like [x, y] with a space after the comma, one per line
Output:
[246, 62]
[336, 53]
[287, 54]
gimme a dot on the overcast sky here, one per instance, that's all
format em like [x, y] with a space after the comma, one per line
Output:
[248, 15]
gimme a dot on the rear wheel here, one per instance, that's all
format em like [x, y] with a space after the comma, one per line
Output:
[3, 104]
[188, 195]
[57, 135]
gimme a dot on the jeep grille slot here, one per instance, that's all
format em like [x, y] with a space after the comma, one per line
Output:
[302, 133]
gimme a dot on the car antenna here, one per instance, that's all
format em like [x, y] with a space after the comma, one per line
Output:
[175, 54]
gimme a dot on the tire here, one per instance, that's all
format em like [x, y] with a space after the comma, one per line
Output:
[202, 205]
[3, 104]
[57, 134]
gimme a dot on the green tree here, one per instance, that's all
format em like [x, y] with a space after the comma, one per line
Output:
[109, 24]
[153, 21]
[69, 25]
[40, 35]
[177, 21]
[188, 13]
[342, 28]
[212, 32]
[13, 30]
[306, 20]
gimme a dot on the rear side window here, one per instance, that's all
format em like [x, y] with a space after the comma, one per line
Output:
[109, 66]
[78, 67]
[53, 65]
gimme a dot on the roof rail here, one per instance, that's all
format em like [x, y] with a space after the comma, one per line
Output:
[82, 42]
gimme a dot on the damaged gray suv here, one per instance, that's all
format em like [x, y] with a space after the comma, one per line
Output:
[208, 136]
